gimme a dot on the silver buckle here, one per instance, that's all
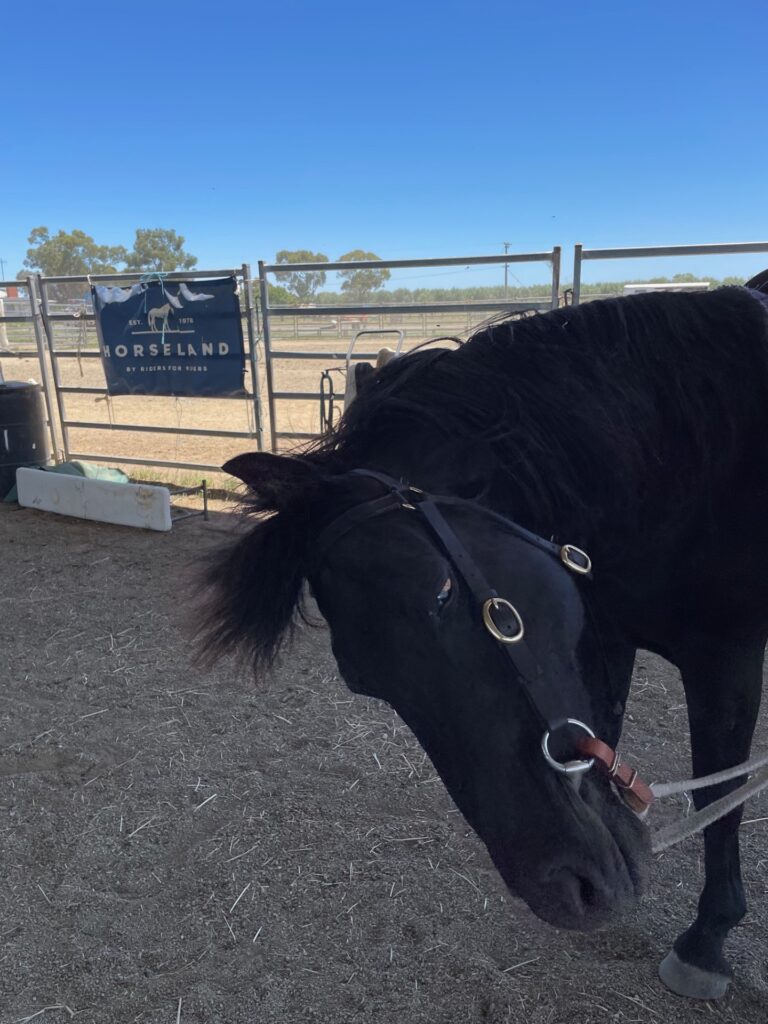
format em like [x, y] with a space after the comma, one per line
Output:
[570, 767]
[567, 551]
[493, 629]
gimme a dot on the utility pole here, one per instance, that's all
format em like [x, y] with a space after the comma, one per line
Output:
[3, 332]
[506, 270]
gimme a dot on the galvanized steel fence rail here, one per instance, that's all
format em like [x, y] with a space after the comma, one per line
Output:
[580, 254]
[13, 348]
[271, 313]
[54, 332]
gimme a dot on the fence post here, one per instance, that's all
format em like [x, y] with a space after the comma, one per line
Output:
[54, 365]
[42, 357]
[264, 294]
[3, 332]
[252, 336]
[556, 276]
[577, 250]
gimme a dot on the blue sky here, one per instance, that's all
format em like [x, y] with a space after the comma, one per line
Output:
[406, 128]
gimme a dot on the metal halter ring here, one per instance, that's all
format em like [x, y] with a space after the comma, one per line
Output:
[567, 551]
[571, 767]
[493, 629]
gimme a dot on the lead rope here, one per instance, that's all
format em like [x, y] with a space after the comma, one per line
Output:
[673, 834]
[662, 789]
[639, 796]
[701, 819]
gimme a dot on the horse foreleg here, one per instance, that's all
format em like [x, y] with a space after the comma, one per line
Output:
[723, 681]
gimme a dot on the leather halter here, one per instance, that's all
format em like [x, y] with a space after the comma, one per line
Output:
[500, 617]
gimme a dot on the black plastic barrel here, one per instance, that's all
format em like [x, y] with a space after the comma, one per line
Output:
[23, 432]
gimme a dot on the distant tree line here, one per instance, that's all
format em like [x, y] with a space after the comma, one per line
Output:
[74, 253]
[303, 287]
[297, 287]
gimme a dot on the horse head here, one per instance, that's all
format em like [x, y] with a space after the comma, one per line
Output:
[405, 628]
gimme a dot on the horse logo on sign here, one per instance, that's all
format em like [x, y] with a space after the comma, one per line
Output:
[163, 312]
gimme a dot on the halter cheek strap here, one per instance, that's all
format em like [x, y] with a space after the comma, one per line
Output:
[500, 617]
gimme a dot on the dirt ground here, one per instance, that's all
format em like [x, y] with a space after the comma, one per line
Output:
[196, 848]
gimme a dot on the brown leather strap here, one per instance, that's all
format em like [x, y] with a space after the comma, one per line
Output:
[636, 793]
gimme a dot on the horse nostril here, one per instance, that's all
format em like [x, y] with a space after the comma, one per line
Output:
[581, 889]
[588, 892]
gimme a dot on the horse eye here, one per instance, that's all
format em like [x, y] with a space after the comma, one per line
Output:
[445, 593]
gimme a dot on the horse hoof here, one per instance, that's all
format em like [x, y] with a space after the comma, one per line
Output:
[693, 982]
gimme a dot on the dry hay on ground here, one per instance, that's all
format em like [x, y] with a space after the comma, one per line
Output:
[280, 852]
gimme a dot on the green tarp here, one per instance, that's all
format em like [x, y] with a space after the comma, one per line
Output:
[87, 469]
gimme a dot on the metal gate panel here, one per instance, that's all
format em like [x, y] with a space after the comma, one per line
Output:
[580, 254]
[15, 346]
[270, 314]
[57, 320]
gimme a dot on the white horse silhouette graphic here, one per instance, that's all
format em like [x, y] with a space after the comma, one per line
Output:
[161, 312]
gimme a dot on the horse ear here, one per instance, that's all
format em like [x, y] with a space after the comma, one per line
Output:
[277, 480]
[364, 374]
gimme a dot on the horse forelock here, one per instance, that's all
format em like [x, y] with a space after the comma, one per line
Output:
[253, 590]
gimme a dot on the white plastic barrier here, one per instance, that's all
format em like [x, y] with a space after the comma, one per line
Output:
[142, 505]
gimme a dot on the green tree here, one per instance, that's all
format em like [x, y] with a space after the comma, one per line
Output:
[358, 284]
[70, 253]
[303, 284]
[280, 296]
[159, 249]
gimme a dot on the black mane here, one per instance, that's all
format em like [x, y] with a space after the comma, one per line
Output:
[612, 419]
[627, 406]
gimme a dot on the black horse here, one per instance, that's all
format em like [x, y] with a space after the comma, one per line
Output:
[634, 429]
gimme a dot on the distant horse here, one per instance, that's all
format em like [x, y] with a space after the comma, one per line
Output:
[159, 312]
[633, 428]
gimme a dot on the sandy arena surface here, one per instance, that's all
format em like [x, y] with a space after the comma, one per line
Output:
[197, 848]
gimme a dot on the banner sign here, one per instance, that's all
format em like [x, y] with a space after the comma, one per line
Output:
[171, 337]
